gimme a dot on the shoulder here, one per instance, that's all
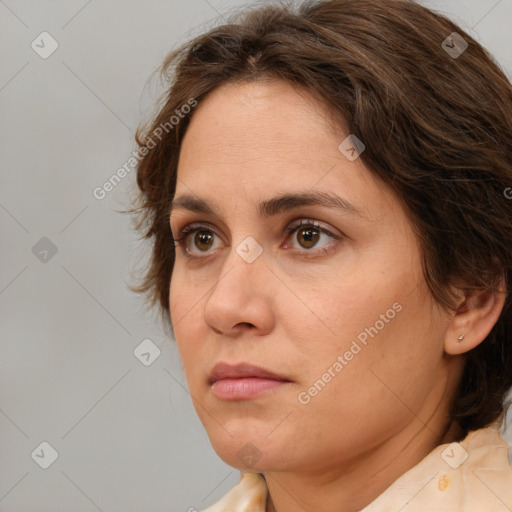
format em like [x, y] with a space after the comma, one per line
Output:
[249, 495]
[469, 476]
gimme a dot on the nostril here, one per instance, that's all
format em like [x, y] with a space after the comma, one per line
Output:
[246, 323]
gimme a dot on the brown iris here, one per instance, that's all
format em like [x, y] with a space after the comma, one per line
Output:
[309, 235]
[203, 237]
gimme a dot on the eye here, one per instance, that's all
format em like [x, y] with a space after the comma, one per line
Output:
[308, 234]
[202, 237]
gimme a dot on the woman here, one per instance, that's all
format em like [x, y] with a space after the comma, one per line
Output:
[326, 191]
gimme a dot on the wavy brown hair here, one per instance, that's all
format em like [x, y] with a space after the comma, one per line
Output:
[437, 130]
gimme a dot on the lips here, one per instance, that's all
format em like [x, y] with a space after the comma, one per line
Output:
[244, 382]
[223, 371]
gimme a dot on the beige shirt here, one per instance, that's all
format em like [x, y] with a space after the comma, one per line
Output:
[471, 476]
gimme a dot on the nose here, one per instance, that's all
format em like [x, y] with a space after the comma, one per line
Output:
[241, 299]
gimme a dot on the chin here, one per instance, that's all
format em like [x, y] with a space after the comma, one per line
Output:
[252, 450]
[248, 458]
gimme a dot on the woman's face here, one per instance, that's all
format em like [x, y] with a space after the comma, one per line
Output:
[331, 299]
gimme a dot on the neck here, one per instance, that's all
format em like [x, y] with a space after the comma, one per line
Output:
[360, 482]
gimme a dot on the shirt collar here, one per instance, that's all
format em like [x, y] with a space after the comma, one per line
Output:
[469, 476]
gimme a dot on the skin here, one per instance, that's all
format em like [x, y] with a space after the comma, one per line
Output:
[295, 309]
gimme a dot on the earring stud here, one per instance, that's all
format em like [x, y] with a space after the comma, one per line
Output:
[460, 338]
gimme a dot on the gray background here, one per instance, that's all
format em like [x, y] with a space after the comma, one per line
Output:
[126, 434]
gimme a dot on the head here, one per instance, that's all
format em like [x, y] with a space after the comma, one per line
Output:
[358, 305]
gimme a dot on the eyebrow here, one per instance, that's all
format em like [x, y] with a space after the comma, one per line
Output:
[273, 206]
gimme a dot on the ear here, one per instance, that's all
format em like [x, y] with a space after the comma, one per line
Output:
[477, 312]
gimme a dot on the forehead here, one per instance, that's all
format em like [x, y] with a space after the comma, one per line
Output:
[255, 120]
[251, 124]
[251, 141]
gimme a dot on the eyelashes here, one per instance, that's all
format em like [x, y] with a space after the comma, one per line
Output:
[313, 230]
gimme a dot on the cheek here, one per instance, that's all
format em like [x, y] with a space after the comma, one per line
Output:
[184, 299]
[377, 317]
[176, 301]
[345, 307]
[186, 320]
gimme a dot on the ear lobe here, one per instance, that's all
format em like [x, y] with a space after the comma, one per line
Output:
[476, 315]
